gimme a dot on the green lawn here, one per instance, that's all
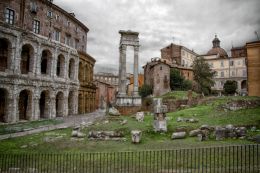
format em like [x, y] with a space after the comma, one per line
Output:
[177, 95]
[208, 113]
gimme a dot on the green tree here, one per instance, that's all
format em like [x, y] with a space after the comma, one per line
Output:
[203, 75]
[178, 82]
[230, 87]
[145, 90]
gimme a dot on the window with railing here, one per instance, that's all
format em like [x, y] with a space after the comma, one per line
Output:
[36, 26]
[9, 16]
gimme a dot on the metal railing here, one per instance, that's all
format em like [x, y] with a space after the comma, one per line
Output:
[224, 159]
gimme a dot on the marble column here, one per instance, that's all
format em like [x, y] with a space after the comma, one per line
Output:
[136, 51]
[122, 71]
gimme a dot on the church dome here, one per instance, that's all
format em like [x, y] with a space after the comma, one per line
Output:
[216, 49]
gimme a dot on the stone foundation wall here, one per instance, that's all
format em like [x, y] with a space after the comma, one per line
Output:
[127, 110]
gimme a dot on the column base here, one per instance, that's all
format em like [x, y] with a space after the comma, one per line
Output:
[128, 100]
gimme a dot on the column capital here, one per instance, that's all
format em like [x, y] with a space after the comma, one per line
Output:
[123, 47]
[136, 48]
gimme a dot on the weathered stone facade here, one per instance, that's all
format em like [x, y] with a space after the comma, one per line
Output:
[39, 67]
[157, 75]
[87, 90]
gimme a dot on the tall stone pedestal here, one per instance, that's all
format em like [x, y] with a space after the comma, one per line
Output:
[160, 110]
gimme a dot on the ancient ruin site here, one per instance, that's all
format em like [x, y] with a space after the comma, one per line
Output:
[141, 86]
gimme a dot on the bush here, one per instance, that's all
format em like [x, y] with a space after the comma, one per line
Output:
[145, 90]
[178, 82]
[230, 87]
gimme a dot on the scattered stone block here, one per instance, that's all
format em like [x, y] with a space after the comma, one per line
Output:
[113, 111]
[136, 136]
[123, 122]
[220, 133]
[178, 135]
[140, 116]
[195, 132]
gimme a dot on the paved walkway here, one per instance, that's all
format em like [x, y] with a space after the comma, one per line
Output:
[69, 121]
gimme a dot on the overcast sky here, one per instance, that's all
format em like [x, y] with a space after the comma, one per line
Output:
[191, 23]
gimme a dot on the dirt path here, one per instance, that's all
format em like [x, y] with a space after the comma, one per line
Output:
[69, 121]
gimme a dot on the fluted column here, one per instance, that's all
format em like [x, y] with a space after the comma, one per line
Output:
[122, 71]
[136, 51]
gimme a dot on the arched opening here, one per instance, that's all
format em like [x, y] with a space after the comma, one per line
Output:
[3, 105]
[60, 66]
[46, 62]
[86, 78]
[26, 59]
[86, 103]
[5, 50]
[71, 68]
[71, 102]
[81, 72]
[244, 84]
[81, 104]
[59, 104]
[25, 104]
[44, 104]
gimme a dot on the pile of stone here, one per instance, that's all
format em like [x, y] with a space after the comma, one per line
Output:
[76, 132]
[188, 120]
[229, 131]
[240, 104]
[106, 135]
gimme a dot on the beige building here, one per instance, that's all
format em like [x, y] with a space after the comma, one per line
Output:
[228, 68]
[177, 54]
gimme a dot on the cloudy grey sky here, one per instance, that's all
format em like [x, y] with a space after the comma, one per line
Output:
[192, 23]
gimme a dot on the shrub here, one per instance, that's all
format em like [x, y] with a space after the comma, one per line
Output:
[230, 87]
[145, 90]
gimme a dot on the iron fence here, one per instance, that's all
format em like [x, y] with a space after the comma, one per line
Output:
[235, 159]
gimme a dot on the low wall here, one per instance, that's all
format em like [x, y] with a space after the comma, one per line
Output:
[127, 110]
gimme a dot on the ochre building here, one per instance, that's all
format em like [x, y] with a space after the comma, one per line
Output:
[253, 68]
[39, 44]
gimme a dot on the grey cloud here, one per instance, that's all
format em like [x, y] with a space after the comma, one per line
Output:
[160, 22]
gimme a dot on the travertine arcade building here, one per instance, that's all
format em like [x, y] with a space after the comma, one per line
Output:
[41, 48]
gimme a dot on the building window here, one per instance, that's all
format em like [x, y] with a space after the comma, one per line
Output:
[231, 63]
[238, 63]
[68, 23]
[222, 63]
[57, 35]
[36, 26]
[233, 73]
[76, 43]
[9, 16]
[244, 72]
[49, 14]
[160, 67]
[68, 40]
[222, 74]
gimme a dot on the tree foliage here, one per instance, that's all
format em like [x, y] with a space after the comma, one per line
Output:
[178, 82]
[230, 87]
[203, 75]
[145, 90]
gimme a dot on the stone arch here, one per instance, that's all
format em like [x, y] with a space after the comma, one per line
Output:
[244, 84]
[46, 59]
[71, 68]
[25, 104]
[81, 72]
[3, 104]
[27, 58]
[59, 104]
[81, 104]
[44, 104]
[86, 73]
[60, 70]
[5, 53]
[71, 103]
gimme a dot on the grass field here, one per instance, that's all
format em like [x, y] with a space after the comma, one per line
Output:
[208, 113]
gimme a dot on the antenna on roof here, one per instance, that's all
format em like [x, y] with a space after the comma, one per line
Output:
[257, 35]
